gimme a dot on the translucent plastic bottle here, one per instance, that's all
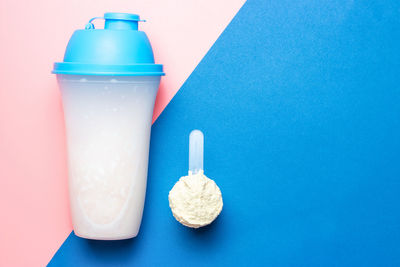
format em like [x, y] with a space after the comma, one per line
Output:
[109, 83]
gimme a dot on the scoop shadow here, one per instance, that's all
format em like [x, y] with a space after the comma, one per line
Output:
[207, 235]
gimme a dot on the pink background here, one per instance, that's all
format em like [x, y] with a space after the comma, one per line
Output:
[33, 172]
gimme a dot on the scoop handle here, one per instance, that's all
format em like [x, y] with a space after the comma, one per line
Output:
[196, 150]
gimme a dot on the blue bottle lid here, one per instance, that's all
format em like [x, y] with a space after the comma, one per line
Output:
[118, 49]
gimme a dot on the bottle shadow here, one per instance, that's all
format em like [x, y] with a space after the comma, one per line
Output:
[112, 249]
[203, 238]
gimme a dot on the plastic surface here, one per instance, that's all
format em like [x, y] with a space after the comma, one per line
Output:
[196, 151]
[118, 49]
[108, 122]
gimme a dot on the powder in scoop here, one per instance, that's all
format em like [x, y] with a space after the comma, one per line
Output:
[195, 200]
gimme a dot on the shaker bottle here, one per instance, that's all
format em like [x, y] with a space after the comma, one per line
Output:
[108, 81]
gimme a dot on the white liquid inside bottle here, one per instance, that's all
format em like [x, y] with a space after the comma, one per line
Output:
[108, 122]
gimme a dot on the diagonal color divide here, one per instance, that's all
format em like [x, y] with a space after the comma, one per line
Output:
[298, 101]
[33, 172]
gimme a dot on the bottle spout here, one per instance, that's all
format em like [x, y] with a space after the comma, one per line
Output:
[118, 21]
[121, 21]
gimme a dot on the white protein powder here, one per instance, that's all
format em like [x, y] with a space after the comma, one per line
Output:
[195, 200]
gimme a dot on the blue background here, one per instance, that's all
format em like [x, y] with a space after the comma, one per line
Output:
[299, 103]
